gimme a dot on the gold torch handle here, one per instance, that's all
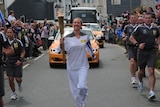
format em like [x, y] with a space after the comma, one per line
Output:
[61, 27]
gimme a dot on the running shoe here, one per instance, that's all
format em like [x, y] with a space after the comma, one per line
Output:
[140, 87]
[14, 96]
[151, 95]
[133, 80]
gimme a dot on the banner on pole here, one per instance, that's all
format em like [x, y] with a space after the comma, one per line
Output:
[2, 18]
[156, 1]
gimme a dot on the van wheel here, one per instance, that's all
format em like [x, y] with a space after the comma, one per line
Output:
[96, 65]
[51, 65]
[101, 46]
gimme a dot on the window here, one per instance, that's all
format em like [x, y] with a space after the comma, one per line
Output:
[116, 2]
[87, 1]
[88, 16]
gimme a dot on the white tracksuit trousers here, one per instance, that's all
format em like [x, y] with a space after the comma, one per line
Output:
[78, 85]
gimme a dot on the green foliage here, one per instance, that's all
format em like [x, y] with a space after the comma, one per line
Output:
[110, 21]
[120, 42]
[158, 63]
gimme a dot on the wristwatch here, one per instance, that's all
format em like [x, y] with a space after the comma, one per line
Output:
[137, 45]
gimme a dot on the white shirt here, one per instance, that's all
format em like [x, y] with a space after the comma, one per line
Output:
[76, 52]
[11, 18]
[45, 32]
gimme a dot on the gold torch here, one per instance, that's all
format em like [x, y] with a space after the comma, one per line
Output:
[61, 27]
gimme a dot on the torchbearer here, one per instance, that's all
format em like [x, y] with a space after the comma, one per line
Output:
[77, 44]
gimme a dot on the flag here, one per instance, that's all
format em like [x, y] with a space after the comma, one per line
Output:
[2, 18]
[156, 1]
[90, 49]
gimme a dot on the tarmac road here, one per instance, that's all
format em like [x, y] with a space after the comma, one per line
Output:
[109, 84]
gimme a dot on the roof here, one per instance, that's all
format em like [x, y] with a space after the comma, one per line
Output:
[83, 8]
[91, 24]
[83, 28]
[68, 30]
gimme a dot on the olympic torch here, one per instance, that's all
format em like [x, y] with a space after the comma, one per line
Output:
[61, 28]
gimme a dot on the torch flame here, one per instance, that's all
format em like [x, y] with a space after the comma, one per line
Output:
[60, 12]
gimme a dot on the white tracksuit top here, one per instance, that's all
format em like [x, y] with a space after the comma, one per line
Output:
[76, 51]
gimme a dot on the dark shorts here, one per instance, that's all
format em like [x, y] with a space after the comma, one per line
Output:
[1, 82]
[15, 71]
[146, 58]
[132, 52]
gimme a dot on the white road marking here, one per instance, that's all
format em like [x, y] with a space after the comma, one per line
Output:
[157, 71]
[38, 57]
[25, 66]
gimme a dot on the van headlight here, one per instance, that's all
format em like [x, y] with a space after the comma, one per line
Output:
[98, 37]
[95, 50]
[58, 51]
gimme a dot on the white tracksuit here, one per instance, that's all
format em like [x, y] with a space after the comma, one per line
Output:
[77, 66]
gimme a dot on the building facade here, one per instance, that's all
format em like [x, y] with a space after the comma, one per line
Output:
[117, 7]
[32, 9]
[40, 9]
[2, 7]
[4, 4]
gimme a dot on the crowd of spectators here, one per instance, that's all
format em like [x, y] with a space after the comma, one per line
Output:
[33, 34]
[117, 33]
